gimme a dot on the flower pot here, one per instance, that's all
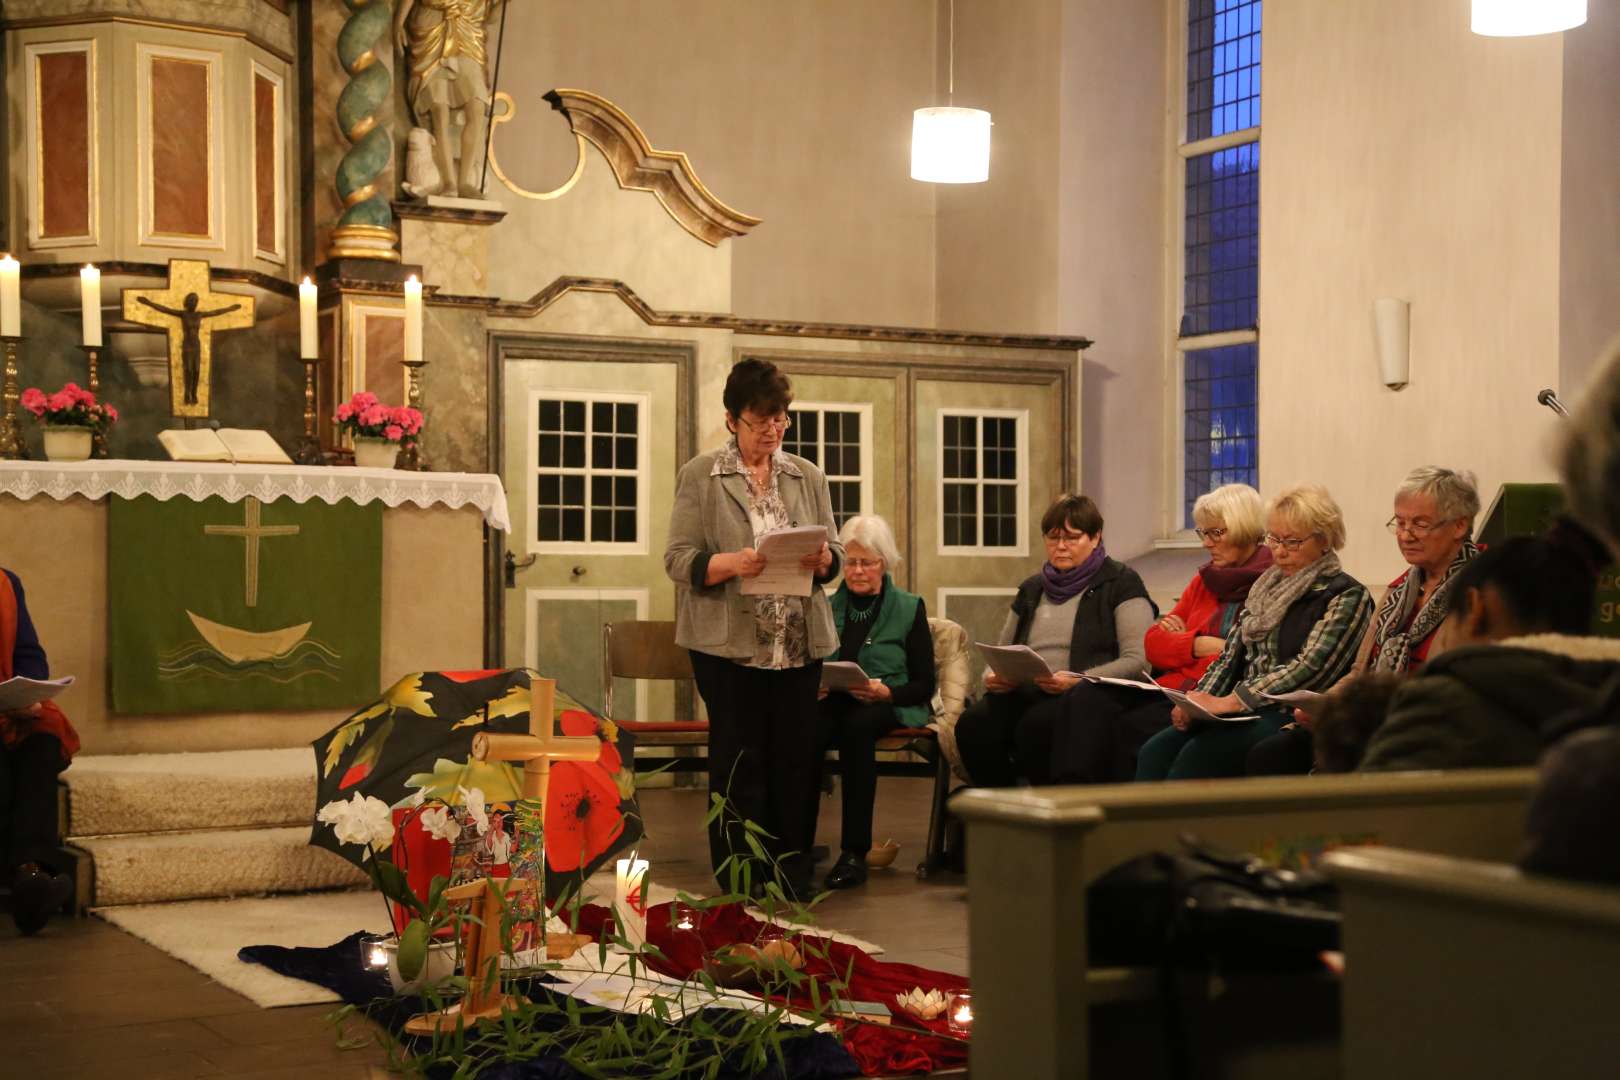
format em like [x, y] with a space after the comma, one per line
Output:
[375, 453]
[65, 442]
[441, 964]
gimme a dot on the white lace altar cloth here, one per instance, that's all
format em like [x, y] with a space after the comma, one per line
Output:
[201, 480]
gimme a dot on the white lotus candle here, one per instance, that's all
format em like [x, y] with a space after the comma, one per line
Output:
[307, 348]
[90, 305]
[413, 319]
[630, 900]
[10, 298]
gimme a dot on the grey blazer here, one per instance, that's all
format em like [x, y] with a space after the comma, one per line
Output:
[711, 517]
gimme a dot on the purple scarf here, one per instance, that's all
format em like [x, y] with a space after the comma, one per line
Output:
[1230, 584]
[1061, 586]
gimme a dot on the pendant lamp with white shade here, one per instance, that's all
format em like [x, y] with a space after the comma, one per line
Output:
[950, 145]
[1524, 18]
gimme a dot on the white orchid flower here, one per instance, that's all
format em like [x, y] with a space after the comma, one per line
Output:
[473, 800]
[364, 819]
[440, 824]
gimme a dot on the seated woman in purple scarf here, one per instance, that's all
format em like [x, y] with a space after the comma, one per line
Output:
[1084, 612]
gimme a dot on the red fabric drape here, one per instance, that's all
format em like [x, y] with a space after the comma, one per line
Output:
[51, 720]
[906, 1045]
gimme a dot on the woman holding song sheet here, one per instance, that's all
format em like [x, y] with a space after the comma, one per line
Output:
[1299, 629]
[884, 630]
[756, 655]
[1084, 612]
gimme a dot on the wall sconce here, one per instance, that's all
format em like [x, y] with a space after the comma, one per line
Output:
[1525, 18]
[1392, 328]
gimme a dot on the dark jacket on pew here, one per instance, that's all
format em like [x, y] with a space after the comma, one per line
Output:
[1483, 706]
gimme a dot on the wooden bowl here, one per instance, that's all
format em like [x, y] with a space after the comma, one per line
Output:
[883, 854]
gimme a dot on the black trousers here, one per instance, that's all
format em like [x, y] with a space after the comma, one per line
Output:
[762, 757]
[853, 729]
[1100, 732]
[28, 802]
[1006, 736]
[1290, 752]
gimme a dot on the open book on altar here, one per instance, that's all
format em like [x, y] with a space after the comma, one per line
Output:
[239, 446]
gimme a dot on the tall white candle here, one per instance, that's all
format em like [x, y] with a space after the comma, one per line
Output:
[630, 900]
[10, 298]
[413, 319]
[90, 305]
[307, 348]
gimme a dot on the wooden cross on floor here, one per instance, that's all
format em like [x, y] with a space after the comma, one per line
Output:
[537, 750]
[191, 313]
[251, 531]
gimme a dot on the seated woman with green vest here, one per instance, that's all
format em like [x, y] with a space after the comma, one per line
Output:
[884, 629]
[1083, 613]
[1299, 630]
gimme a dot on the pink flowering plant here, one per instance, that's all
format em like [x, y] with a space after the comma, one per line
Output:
[365, 417]
[71, 406]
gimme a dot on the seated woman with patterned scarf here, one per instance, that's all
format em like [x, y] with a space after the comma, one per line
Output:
[1298, 630]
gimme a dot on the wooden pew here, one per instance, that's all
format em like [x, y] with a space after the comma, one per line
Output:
[1031, 852]
[1456, 967]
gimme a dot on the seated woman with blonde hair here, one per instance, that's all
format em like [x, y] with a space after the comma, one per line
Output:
[1298, 630]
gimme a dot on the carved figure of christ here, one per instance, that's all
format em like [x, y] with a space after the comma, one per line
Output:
[188, 310]
[251, 531]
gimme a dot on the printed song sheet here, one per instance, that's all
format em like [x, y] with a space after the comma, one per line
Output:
[843, 675]
[782, 549]
[1018, 664]
[20, 693]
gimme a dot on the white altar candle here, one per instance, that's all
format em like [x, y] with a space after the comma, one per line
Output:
[90, 305]
[630, 900]
[307, 348]
[413, 319]
[10, 299]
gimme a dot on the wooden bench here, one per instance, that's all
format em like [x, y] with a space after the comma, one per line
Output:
[1032, 852]
[647, 650]
[1457, 967]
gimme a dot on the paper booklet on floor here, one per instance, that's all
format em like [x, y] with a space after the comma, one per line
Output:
[239, 446]
[1018, 664]
[843, 675]
[20, 692]
[782, 549]
[1198, 711]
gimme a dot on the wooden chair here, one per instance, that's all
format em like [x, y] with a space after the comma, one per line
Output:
[647, 650]
[1032, 852]
[1458, 967]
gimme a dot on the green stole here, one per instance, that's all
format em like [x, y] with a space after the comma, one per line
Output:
[883, 655]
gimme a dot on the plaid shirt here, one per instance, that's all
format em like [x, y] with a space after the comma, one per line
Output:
[1327, 654]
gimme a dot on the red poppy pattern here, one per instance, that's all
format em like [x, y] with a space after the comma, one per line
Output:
[582, 816]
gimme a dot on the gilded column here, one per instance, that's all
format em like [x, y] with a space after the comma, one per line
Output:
[365, 230]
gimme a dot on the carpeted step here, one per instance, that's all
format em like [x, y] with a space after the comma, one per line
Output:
[146, 793]
[222, 862]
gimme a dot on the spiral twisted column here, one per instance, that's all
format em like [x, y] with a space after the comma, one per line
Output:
[365, 229]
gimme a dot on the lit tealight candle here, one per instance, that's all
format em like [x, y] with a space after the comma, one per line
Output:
[307, 348]
[413, 320]
[630, 899]
[959, 1013]
[10, 298]
[90, 305]
[379, 956]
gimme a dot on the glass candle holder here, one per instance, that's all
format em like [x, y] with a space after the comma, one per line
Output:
[684, 918]
[374, 952]
[959, 1012]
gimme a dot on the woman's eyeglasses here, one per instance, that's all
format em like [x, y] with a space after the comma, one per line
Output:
[1072, 539]
[1289, 543]
[1211, 534]
[775, 423]
[1417, 527]
[863, 564]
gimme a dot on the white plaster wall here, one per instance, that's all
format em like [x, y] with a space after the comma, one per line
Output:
[1422, 164]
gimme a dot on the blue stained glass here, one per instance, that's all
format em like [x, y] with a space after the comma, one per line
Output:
[1223, 62]
[1221, 283]
[1219, 435]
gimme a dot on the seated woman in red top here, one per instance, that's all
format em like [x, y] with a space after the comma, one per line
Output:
[35, 744]
[1106, 725]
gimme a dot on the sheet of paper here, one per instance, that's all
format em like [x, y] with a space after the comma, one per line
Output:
[1199, 712]
[843, 675]
[19, 692]
[783, 548]
[1018, 664]
[1305, 699]
[1138, 684]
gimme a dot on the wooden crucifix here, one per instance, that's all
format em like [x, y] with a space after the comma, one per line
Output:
[481, 952]
[191, 313]
[540, 747]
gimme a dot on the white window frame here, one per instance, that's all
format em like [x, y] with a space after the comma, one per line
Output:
[1020, 418]
[864, 411]
[532, 469]
[1177, 534]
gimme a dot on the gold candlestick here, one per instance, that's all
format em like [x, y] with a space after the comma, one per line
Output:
[11, 444]
[309, 447]
[98, 439]
[411, 457]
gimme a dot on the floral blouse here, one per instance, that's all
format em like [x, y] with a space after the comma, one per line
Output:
[781, 634]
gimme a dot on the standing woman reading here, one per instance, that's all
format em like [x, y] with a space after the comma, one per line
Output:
[757, 658]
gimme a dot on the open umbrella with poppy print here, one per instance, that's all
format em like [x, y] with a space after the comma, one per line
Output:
[415, 743]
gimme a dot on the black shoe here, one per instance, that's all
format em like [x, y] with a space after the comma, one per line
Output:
[36, 895]
[848, 872]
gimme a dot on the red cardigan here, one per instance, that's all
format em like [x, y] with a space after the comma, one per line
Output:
[1171, 653]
